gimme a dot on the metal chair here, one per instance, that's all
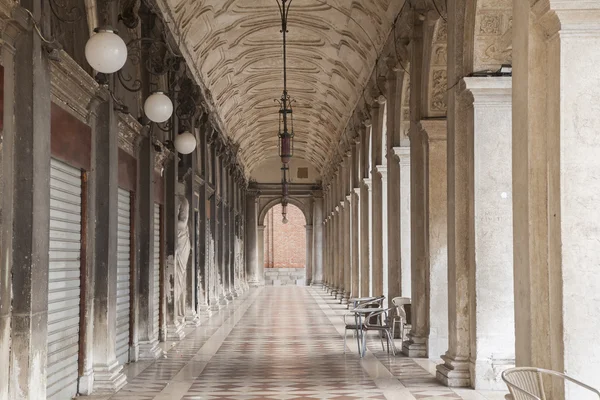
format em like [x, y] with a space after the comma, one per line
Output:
[527, 383]
[374, 303]
[401, 316]
[379, 321]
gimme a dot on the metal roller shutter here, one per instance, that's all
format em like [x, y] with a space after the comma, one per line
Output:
[156, 267]
[64, 281]
[123, 276]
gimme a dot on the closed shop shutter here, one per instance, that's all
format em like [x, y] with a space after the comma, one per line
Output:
[123, 276]
[64, 281]
[156, 267]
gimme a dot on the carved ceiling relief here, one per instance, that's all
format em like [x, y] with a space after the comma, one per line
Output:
[493, 37]
[236, 45]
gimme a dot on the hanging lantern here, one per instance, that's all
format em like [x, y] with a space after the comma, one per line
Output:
[286, 129]
[284, 204]
[185, 143]
[105, 51]
[158, 107]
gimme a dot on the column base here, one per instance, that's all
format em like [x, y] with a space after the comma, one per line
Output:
[344, 296]
[454, 372]
[149, 350]
[415, 347]
[192, 319]
[175, 332]
[134, 352]
[486, 373]
[223, 300]
[86, 382]
[230, 296]
[109, 378]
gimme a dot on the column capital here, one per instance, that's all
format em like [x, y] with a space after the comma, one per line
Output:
[402, 153]
[356, 191]
[489, 91]
[261, 228]
[348, 198]
[308, 227]
[368, 183]
[568, 16]
[382, 169]
[342, 205]
[434, 129]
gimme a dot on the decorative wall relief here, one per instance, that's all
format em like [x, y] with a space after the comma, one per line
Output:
[493, 35]
[438, 91]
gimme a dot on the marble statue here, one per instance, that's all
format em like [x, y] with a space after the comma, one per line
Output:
[182, 254]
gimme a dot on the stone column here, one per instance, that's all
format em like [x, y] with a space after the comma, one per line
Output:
[355, 241]
[148, 342]
[555, 184]
[25, 209]
[254, 279]
[403, 155]
[365, 238]
[436, 235]
[260, 255]
[105, 149]
[382, 170]
[416, 345]
[309, 253]
[339, 254]
[318, 241]
[347, 251]
[377, 199]
[492, 300]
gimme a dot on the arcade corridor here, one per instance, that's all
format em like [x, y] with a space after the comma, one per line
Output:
[280, 343]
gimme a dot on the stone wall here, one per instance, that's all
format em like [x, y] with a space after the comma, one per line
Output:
[285, 276]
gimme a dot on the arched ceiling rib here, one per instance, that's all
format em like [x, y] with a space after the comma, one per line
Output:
[332, 49]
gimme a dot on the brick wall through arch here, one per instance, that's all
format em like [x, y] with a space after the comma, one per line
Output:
[285, 244]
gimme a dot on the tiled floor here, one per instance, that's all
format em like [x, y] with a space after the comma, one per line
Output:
[281, 343]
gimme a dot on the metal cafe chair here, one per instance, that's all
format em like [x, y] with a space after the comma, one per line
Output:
[527, 383]
[375, 302]
[379, 321]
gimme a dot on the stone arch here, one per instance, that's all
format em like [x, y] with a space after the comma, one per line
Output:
[298, 203]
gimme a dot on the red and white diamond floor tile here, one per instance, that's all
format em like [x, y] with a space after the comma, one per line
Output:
[279, 343]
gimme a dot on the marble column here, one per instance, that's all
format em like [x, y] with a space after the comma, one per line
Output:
[339, 250]
[492, 300]
[416, 345]
[347, 250]
[148, 341]
[108, 376]
[377, 112]
[25, 208]
[309, 254]
[403, 156]
[318, 241]
[355, 241]
[260, 255]
[365, 238]
[556, 98]
[436, 235]
[383, 172]
[251, 240]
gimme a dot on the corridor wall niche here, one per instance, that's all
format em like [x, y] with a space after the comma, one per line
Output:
[285, 247]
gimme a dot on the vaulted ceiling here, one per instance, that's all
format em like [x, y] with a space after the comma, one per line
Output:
[236, 47]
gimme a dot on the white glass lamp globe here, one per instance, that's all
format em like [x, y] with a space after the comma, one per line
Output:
[158, 107]
[185, 143]
[105, 51]
[284, 220]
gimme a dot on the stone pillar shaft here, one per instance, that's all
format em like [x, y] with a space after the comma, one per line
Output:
[555, 185]
[365, 258]
[403, 154]
[309, 253]
[25, 211]
[318, 241]
[355, 241]
[252, 266]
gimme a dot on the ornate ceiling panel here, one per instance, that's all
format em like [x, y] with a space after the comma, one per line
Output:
[237, 49]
